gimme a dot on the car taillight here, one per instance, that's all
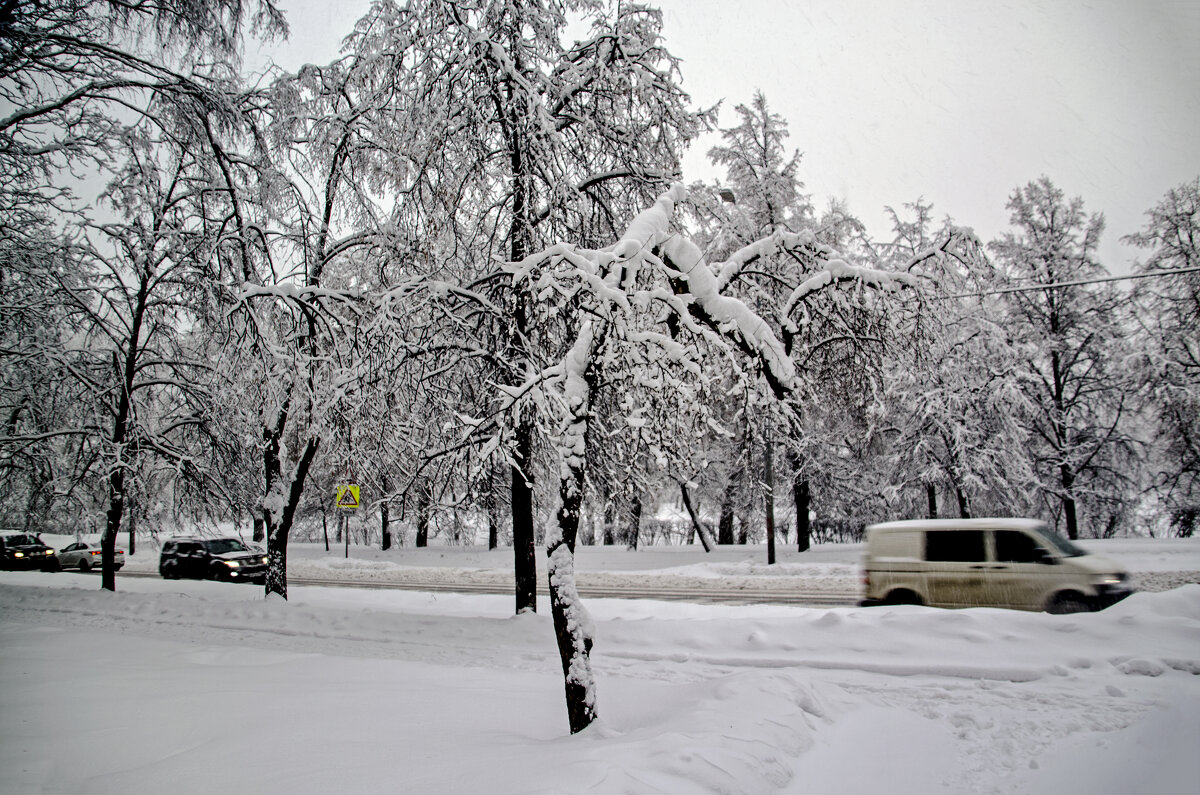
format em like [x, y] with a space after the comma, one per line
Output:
[97, 552]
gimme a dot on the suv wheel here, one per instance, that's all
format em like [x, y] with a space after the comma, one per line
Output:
[1066, 603]
[169, 570]
[903, 596]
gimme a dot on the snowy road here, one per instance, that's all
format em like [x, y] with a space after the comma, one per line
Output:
[650, 590]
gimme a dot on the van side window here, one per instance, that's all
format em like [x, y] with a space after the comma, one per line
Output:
[1013, 546]
[954, 545]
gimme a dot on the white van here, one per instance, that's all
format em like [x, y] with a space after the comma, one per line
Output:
[1015, 563]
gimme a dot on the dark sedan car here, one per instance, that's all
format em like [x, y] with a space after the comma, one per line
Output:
[225, 559]
[26, 551]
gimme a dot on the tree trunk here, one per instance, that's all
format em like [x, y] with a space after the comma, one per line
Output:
[324, 526]
[108, 542]
[520, 241]
[278, 529]
[725, 524]
[127, 371]
[635, 522]
[493, 514]
[931, 500]
[769, 497]
[802, 503]
[385, 523]
[697, 528]
[610, 521]
[800, 493]
[132, 530]
[259, 533]
[1068, 501]
[572, 625]
[422, 519]
[964, 510]
[524, 548]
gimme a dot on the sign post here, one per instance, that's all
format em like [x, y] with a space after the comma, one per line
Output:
[347, 500]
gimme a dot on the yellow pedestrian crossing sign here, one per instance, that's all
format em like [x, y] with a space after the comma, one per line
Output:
[347, 496]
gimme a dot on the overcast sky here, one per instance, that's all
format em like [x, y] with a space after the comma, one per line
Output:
[956, 101]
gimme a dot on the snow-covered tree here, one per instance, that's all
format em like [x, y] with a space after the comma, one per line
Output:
[144, 380]
[953, 389]
[46, 459]
[1169, 313]
[73, 73]
[96, 90]
[762, 193]
[1072, 339]
[835, 338]
[651, 301]
[518, 139]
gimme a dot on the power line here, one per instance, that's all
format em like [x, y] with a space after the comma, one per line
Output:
[1078, 283]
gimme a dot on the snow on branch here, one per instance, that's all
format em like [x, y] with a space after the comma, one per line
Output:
[651, 225]
[838, 271]
[729, 315]
[777, 242]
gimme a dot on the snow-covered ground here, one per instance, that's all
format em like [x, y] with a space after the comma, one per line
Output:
[201, 687]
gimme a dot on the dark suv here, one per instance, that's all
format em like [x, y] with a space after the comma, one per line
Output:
[225, 559]
[26, 551]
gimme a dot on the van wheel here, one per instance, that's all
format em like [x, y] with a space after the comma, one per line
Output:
[1066, 603]
[903, 597]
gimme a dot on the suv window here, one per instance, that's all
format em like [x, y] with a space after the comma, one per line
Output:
[219, 546]
[1013, 546]
[954, 545]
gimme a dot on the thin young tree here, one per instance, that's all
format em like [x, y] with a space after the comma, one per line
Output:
[144, 380]
[1072, 338]
[1168, 309]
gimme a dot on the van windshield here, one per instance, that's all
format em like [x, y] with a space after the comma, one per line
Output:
[1060, 545]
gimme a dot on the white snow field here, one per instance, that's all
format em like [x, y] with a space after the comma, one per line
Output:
[181, 686]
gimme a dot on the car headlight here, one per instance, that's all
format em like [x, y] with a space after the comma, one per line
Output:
[233, 564]
[18, 554]
[264, 560]
[1107, 579]
[49, 551]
